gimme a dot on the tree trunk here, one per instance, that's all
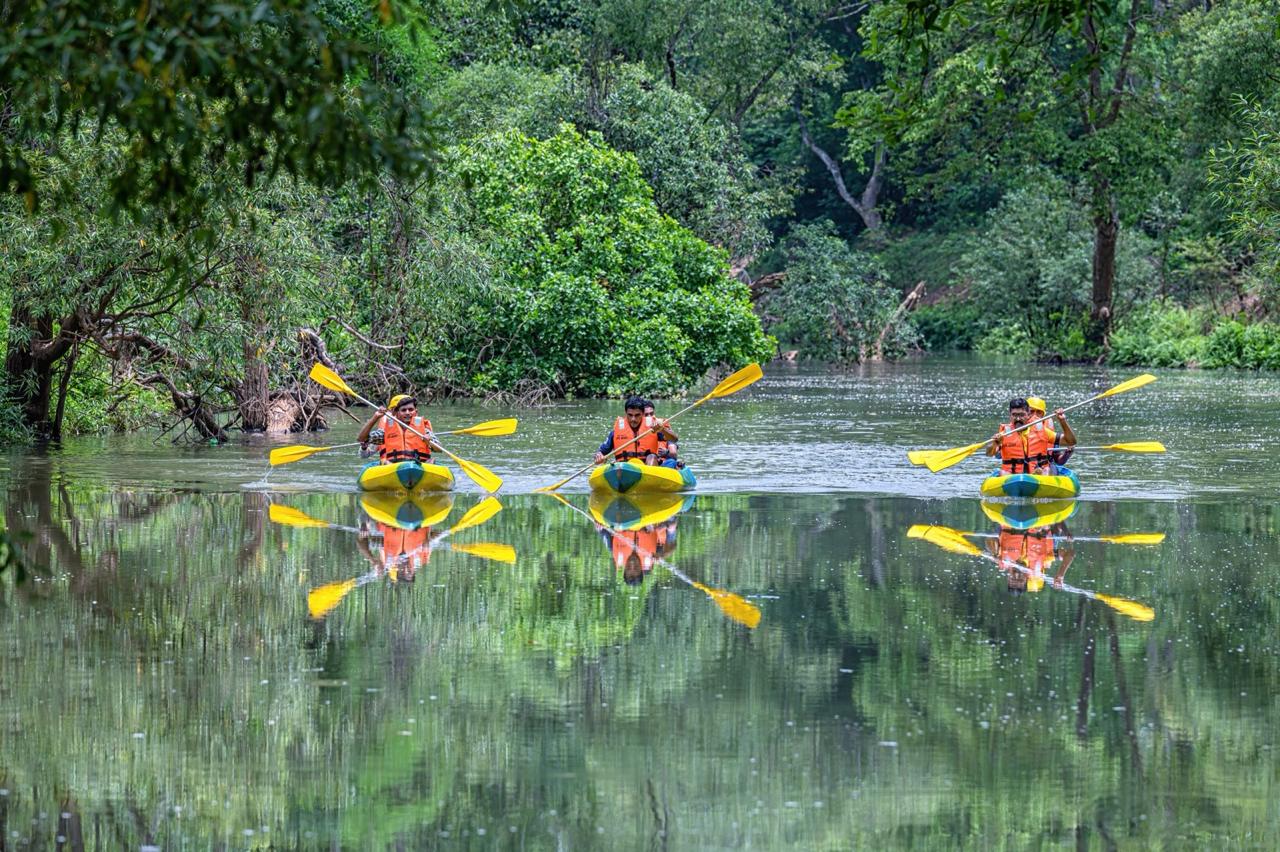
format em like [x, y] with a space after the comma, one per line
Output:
[252, 395]
[28, 376]
[1106, 232]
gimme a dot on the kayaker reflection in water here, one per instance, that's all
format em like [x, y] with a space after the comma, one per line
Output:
[634, 551]
[1028, 555]
[631, 435]
[397, 443]
[402, 552]
[1028, 451]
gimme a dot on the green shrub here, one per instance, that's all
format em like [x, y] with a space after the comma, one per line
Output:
[834, 301]
[1160, 335]
[600, 293]
[949, 326]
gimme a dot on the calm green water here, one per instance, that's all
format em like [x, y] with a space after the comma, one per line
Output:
[163, 681]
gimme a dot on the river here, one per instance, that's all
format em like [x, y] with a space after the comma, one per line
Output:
[181, 666]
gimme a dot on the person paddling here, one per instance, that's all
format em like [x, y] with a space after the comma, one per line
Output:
[668, 449]
[1038, 409]
[1028, 450]
[398, 443]
[634, 437]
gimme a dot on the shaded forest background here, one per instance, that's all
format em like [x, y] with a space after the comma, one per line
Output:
[594, 197]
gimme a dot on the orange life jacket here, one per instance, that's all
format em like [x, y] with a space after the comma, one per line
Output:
[399, 444]
[622, 434]
[1024, 451]
[1032, 549]
[398, 545]
[645, 543]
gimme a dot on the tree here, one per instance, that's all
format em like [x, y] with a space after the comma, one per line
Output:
[1021, 83]
[257, 87]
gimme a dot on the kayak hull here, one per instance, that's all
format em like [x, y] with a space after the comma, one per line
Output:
[407, 511]
[637, 511]
[635, 478]
[405, 477]
[1065, 484]
[1029, 516]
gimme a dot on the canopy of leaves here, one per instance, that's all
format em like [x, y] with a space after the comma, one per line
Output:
[259, 86]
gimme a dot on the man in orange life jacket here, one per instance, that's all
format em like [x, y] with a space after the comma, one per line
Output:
[648, 448]
[398, 443]
[1028, 450]
[666, 436]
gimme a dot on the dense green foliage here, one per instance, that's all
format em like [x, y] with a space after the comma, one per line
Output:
[576, 197]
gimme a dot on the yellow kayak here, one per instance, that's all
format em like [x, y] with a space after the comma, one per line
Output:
[1028, 516]
[636, 511]
[405, 476]
[631, 477]
[1002, 484]
[407, 511]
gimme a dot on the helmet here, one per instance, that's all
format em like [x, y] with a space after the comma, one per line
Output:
[1035, 403]
[399, 400]
[1035, 583]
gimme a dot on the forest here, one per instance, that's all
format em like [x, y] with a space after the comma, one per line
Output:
[533, 200]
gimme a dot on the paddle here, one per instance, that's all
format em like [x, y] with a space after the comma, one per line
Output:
[938, 460]
[917, 531]
[479, 474]
[322, 599]
[733, 606]
[953, 542]
[919, 457]
[728, 386]
[298, 452]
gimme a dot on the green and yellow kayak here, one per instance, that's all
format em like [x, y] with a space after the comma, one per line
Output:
[407, 511]
[405, 476]
[631, 477]
[1062, 485]
[1028, 516]
[636, 511]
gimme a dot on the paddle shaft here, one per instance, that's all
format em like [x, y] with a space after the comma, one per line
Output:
[1055, 414]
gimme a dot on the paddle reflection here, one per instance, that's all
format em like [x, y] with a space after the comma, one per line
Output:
[395, 537]
[1032, 540]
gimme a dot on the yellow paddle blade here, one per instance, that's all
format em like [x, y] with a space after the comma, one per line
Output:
[921, 456]
[1135, 538]
[489, 428]
[320, 374]
[322, 600]
[946, 458]
[480, 475]
[1132, 384]
[1133, 609]
[920, 531]
[292, 517]
[1137, 447]
[487, 550]
[946, 538]
[734, 606]
[477, 514]
[735, 382]
[297, 452]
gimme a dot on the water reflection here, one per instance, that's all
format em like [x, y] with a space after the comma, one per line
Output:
[163, 683]
[1033, 542]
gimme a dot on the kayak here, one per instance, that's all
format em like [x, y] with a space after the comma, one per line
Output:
[631, 477]
[636, 511]
[405, 476]
[407, 511]
[1026, 516]
[1000, 484]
